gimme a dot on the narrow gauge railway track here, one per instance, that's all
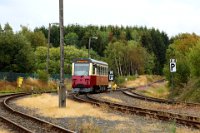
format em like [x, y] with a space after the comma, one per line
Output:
[130, 93]
[10, 122]
[23, 122]
[14, 125]
[182, 119]
[6, 95]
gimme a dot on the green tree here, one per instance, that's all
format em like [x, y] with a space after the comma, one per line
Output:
[36, 38]
[43, 30]
[1, 29]
[55, 36]
[40, 58]
[8, 28]
[71, 39]
[194, 60]
[140, 60]
[70, 53]
[181, 49]
[153, 40]
[125, 58]
[16, 53]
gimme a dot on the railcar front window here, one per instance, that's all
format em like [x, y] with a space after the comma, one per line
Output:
[81, 69]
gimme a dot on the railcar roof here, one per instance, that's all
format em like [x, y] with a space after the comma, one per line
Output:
[91, 60]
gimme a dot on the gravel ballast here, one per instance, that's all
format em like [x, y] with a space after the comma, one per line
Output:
[130, 123]
[5, 129]
[127, 100]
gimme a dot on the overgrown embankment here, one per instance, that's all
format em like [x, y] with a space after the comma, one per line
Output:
[28, 85]
[138, 81]
[185, 49]
[191, 92]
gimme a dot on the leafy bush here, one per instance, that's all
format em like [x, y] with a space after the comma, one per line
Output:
[122, 79]
[130, 77]
[181, 76]
[127, 58]
[194, 60]
[43, 75]
[185, 49]
[191, 91]
[70, 52]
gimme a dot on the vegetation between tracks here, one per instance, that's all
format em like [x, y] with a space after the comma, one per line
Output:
[191, 91]
[139, 81]
[81, 119]
[73, 109]
[157, 90]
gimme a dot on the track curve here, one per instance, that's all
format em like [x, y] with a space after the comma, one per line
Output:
[24, 122]
[158, 100]
[182, 119]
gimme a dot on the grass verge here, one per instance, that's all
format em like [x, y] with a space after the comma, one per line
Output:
[191, 92]
[158, 90]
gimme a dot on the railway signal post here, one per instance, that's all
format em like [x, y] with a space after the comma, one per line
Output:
[111, 79]
[110, 76]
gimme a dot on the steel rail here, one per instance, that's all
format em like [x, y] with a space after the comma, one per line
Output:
[12, 94]
[158, 100]
[15, 125]
[146, 98]
[26, 116]
[182, 119]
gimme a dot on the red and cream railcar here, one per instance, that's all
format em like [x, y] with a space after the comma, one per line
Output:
[89, 75]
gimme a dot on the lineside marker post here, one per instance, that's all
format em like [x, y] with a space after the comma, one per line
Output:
[172, 67]
[62, 89]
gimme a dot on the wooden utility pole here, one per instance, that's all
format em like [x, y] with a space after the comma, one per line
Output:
[62, 89]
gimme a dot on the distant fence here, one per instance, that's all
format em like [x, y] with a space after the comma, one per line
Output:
[11, 76]
[57, 76]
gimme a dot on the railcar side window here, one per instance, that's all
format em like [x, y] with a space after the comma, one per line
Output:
[100, 70]
[93, 69]
[97, 70]
[81, 69]
[103, 70]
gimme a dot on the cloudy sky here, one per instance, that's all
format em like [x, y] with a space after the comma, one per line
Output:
[170, 16]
